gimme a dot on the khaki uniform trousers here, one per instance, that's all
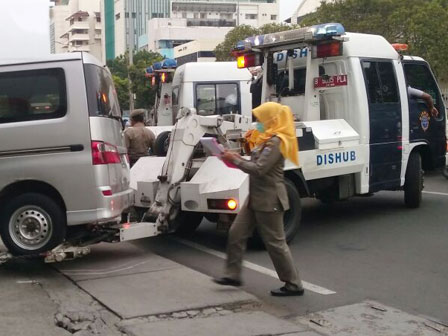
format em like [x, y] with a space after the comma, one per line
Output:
[270, 227]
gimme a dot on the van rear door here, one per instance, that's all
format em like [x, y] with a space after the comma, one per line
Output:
[106, 130]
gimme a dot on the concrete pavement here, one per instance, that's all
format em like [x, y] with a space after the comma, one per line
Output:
[121, 289]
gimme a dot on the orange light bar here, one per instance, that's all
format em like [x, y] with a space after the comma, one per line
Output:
[163, 77]
[400, 46]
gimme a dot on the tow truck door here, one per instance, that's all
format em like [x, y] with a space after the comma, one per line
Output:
[385, 124]
[422, 126]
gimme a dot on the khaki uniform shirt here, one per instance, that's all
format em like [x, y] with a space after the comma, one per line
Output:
[267, 191]
[138, 140]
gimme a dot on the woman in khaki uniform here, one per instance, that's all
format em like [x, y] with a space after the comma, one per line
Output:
[272, 143]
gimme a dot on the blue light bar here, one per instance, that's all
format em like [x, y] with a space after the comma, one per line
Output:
[305, 34]
[169, 63]
[323, 31]
[157, 66]
[150, 70]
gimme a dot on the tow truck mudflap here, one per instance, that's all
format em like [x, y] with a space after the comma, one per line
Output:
[132, 231]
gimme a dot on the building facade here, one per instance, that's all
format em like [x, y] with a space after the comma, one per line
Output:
[164, 35]
[130, 19]
[83, 27]
[225, 13]
[58, 27]
[206, 22]
[195, 51]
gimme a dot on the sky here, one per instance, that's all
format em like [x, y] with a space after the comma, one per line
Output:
[287, 7]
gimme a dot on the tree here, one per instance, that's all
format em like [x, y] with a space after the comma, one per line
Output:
[122, 87]
[121, 72]
[422, 24]
[224, 49]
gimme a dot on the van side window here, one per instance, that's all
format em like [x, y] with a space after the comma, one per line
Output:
[420, 77]
[101, 96]
[217, 99]
[32, 95]
[380, 82]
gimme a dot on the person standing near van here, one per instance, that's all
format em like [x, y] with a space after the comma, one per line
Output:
[273, 142]
[138, 138]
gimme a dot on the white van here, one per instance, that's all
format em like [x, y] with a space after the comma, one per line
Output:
[62, 157]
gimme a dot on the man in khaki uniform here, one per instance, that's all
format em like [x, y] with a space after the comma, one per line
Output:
[138, 138]
[268, 200]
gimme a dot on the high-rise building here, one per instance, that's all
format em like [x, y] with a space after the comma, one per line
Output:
[127, 14]
[206, 22]
[129, 19]
[226, 13]
[82, 27]
[58, 27]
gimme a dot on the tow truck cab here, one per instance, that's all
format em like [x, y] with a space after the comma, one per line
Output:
[212, 88]
[358, 130]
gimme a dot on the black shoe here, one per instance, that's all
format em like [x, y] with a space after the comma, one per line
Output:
[227, 282]
[283, 291]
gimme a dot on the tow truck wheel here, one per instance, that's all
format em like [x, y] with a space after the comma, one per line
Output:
[445, 172]
[162, 143]
[32, 223]
[413, 184]
[291, 219]
[187, 222]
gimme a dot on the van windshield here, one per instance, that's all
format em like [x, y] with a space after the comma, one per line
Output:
[101, 94]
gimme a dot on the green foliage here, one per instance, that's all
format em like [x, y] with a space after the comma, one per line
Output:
[223, 50]
[420, 23]
[121, 72]
[122, 87]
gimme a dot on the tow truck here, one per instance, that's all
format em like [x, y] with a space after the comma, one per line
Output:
[358, 131]
[209, 87]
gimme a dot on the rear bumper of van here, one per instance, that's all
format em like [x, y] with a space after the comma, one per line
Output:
[110, 210]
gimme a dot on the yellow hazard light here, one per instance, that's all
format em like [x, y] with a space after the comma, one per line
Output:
[232, 204]
[240, 62]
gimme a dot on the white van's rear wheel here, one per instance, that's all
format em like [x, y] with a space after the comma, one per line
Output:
[413, 183]
[32, 223]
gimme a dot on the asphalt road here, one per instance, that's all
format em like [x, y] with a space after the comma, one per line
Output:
[365, 248]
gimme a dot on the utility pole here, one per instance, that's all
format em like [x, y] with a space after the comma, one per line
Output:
[237, 13]
[131, 54]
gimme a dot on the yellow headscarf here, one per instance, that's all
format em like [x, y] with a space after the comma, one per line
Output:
[278, 121]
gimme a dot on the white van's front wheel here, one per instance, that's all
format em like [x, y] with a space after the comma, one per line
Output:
[32, 223]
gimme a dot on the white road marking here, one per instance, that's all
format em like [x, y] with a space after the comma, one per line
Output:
[435, 193]
[308, 286]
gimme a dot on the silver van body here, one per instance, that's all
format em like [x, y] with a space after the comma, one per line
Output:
[60, 137]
